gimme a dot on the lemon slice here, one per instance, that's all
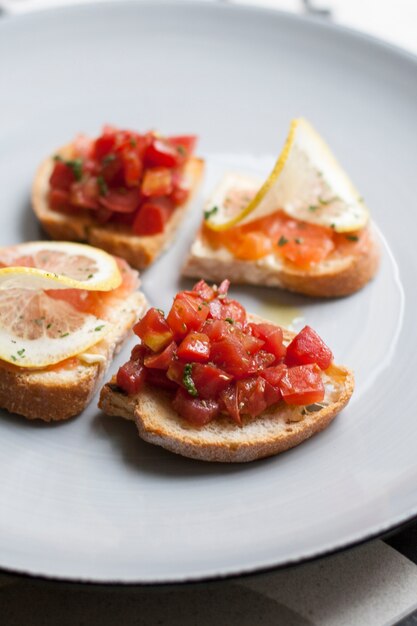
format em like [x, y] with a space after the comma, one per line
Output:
[307, 183]
[58, 265]
[37, 330]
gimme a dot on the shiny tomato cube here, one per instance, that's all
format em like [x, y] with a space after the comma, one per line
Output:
[230, 355]
[196, 411]
[308, 347]
[104, 145]
[158, 378]
[194, 347]
[233, 310]
[302, 385]
[184, 144]
[151, 218]
[153, 329]
[121, 201]
[62, 176]
[131, 377]
[161, 153]
[228, 401]
[58, 199]
[251, 396]
[209, 380]
[132, 168]
[274, 374]
[161, 360]
[157, 181]
[204, 290]
[272, 337]
[187, 313]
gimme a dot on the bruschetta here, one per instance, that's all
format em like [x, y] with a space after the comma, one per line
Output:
[210, 382]
[124, 192]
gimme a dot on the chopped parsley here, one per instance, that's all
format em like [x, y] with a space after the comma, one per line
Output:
[181, 150]
[313, 207]
[188, 381]
[21, 352]
[298, 240]
[352, 237]
[102, 186]
[133, 142]
[13, 357]
[210, 212]
[48, 326]
[97, 328]
[89, 276]
[282, 241]
[230, 320]
[64, 335]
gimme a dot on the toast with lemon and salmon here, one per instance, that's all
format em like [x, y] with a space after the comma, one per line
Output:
[65, 310]
[305, 229]
[123, 192]
[211, 382]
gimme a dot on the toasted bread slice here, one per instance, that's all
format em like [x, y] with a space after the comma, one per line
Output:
[64, 391]
[338, 275]
[118, 239]
[274, 431]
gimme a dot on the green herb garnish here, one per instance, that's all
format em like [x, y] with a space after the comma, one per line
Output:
[282, 241]
[109, 158]
[230, 320]
[298, 240]
[313, 207]
[210, 212]
[89, 276]
[64, 335]
[352, 237]
[188, 381]
[21, 352]
[181, 150]
[97, 328]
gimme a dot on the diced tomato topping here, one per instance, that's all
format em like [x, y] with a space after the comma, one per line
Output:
[151, 218]
[302, 385]
[162, 360]
[121, 200]
[124, 177]
[209, 380]
[194, 410]
[162, 153]
[187, 313]
[229, 354]
[131, 377]
[224, 366]
[272, 338]
[251, 396]
[229, 400]
[62, 176]
[194, 347]
[308, 347]
[59, 200]
[153, 329]
[204, 290]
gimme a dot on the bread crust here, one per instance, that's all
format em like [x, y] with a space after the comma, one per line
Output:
[58, 394]
[138, 251]
[329, 279]
[273, 432]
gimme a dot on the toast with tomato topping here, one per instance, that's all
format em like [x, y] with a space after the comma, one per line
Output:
[259, 389]
[110, 194]
[75, 332]
[280, 251]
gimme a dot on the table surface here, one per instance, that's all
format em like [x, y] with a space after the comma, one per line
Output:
[373, 584]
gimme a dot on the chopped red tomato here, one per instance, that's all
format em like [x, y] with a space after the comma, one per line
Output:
[223, 365]
[131, 377]
[153, 329]
[124, 177]
[272, 338]
[62, 176]
[196, 411]
[209, 380]
[308, 347]
[161, 360]
[302, 384]
[194, 347]
[121, 200]
[151, 218]
[187, 313]
[161, 153]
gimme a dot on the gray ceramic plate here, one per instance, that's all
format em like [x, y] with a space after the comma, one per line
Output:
[87, 499]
